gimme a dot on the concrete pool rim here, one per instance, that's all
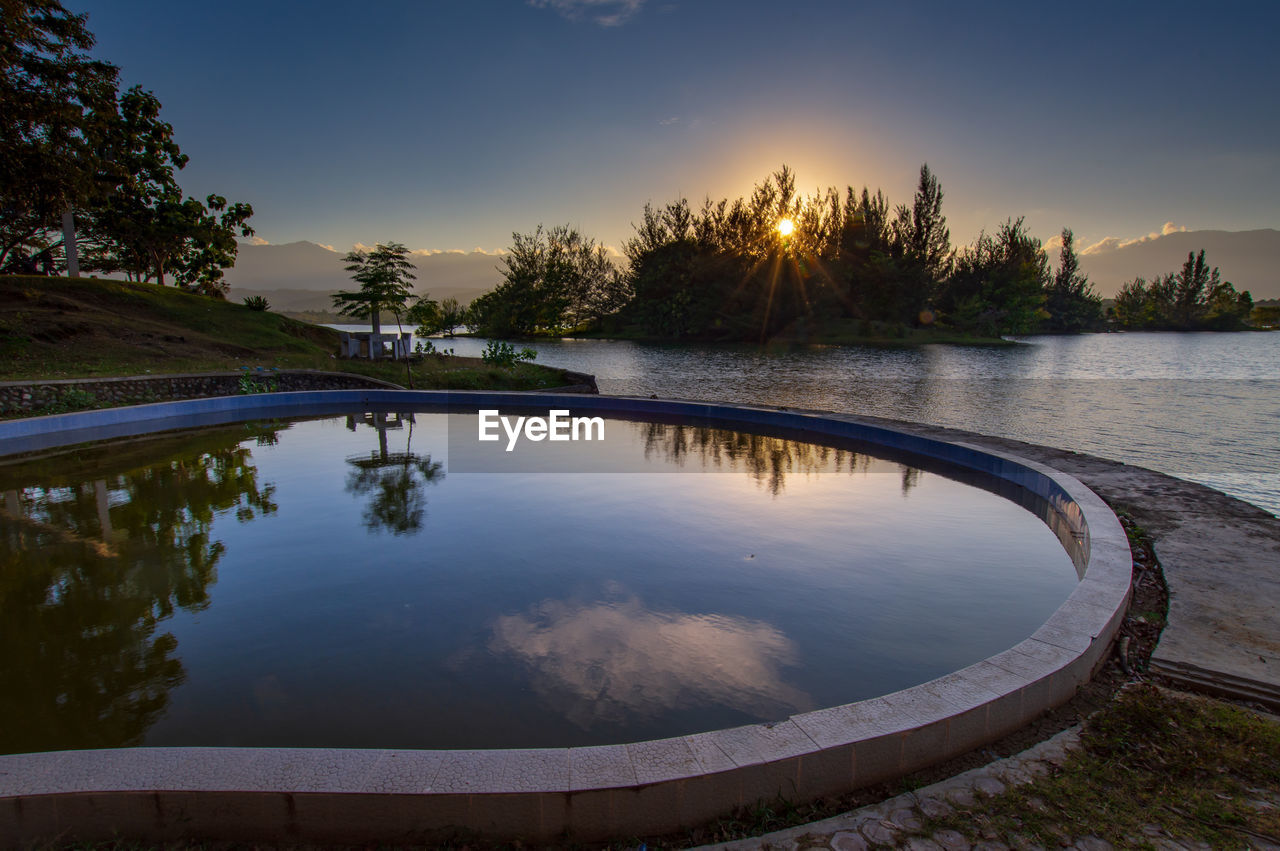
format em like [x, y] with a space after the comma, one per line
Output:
[333, 795]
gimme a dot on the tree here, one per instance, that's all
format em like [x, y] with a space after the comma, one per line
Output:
[210, 244]
[1193, 299]
[998, 284]
[425, 314]
[140, 224]
[54, 101]
[134, 225]
[920, 246]
[921, 230]
[554, 279]
[1069, 300]
[1226, 309]
[452, 314]
[385, 276]
[191, 240]
[433, 317]
[1132, 304]
[1191, 287]
[726, 271]
[69, 142]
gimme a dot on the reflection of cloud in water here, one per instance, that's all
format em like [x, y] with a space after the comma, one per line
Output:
[610, 661]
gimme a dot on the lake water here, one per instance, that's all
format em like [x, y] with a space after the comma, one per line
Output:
[1204, 407]
[337, 582]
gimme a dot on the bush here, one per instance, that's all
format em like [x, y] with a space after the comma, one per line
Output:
[497, 353]
[257, 302]
[251, 383]
[426, 347]
[72, 399]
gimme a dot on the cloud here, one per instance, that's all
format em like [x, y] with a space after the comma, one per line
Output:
[257, 240]
[608, 661]
[1112, 243]
[606, 13]
[422, 252]
[667, 122]
[431, 252]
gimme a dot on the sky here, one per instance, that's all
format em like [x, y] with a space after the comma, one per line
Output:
[451, 124]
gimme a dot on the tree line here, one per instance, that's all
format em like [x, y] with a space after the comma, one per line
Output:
[1192, 299]
[88, 172]
[727, 270]
[777, 262]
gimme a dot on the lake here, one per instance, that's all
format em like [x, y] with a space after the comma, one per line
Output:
[1201, 406]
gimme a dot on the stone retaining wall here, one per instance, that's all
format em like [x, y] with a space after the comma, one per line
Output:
[32, 396]
[29, 397]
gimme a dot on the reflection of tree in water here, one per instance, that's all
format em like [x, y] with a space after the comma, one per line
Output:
[395, 479]
[97, 547]
[910, 478]
[767, 460]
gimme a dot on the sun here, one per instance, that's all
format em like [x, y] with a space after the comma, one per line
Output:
[785, 227]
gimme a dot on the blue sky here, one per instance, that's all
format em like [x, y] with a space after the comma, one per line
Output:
[448, 124]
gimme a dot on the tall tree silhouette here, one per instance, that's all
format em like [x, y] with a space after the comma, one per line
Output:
[1069, 300]
[921, 229]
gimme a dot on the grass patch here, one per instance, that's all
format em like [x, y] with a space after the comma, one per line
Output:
[1196, 768]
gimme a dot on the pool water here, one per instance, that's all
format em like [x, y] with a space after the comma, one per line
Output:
[332, 582]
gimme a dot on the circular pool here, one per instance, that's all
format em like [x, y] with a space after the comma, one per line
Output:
[358, 581]
[359, 570]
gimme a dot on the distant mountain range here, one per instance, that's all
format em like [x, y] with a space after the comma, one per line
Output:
[1248, 259]
[299, 277]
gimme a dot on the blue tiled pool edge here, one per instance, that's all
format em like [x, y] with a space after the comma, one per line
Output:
[592, 793]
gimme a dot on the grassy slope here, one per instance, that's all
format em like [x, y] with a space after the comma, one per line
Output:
[71, 328]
